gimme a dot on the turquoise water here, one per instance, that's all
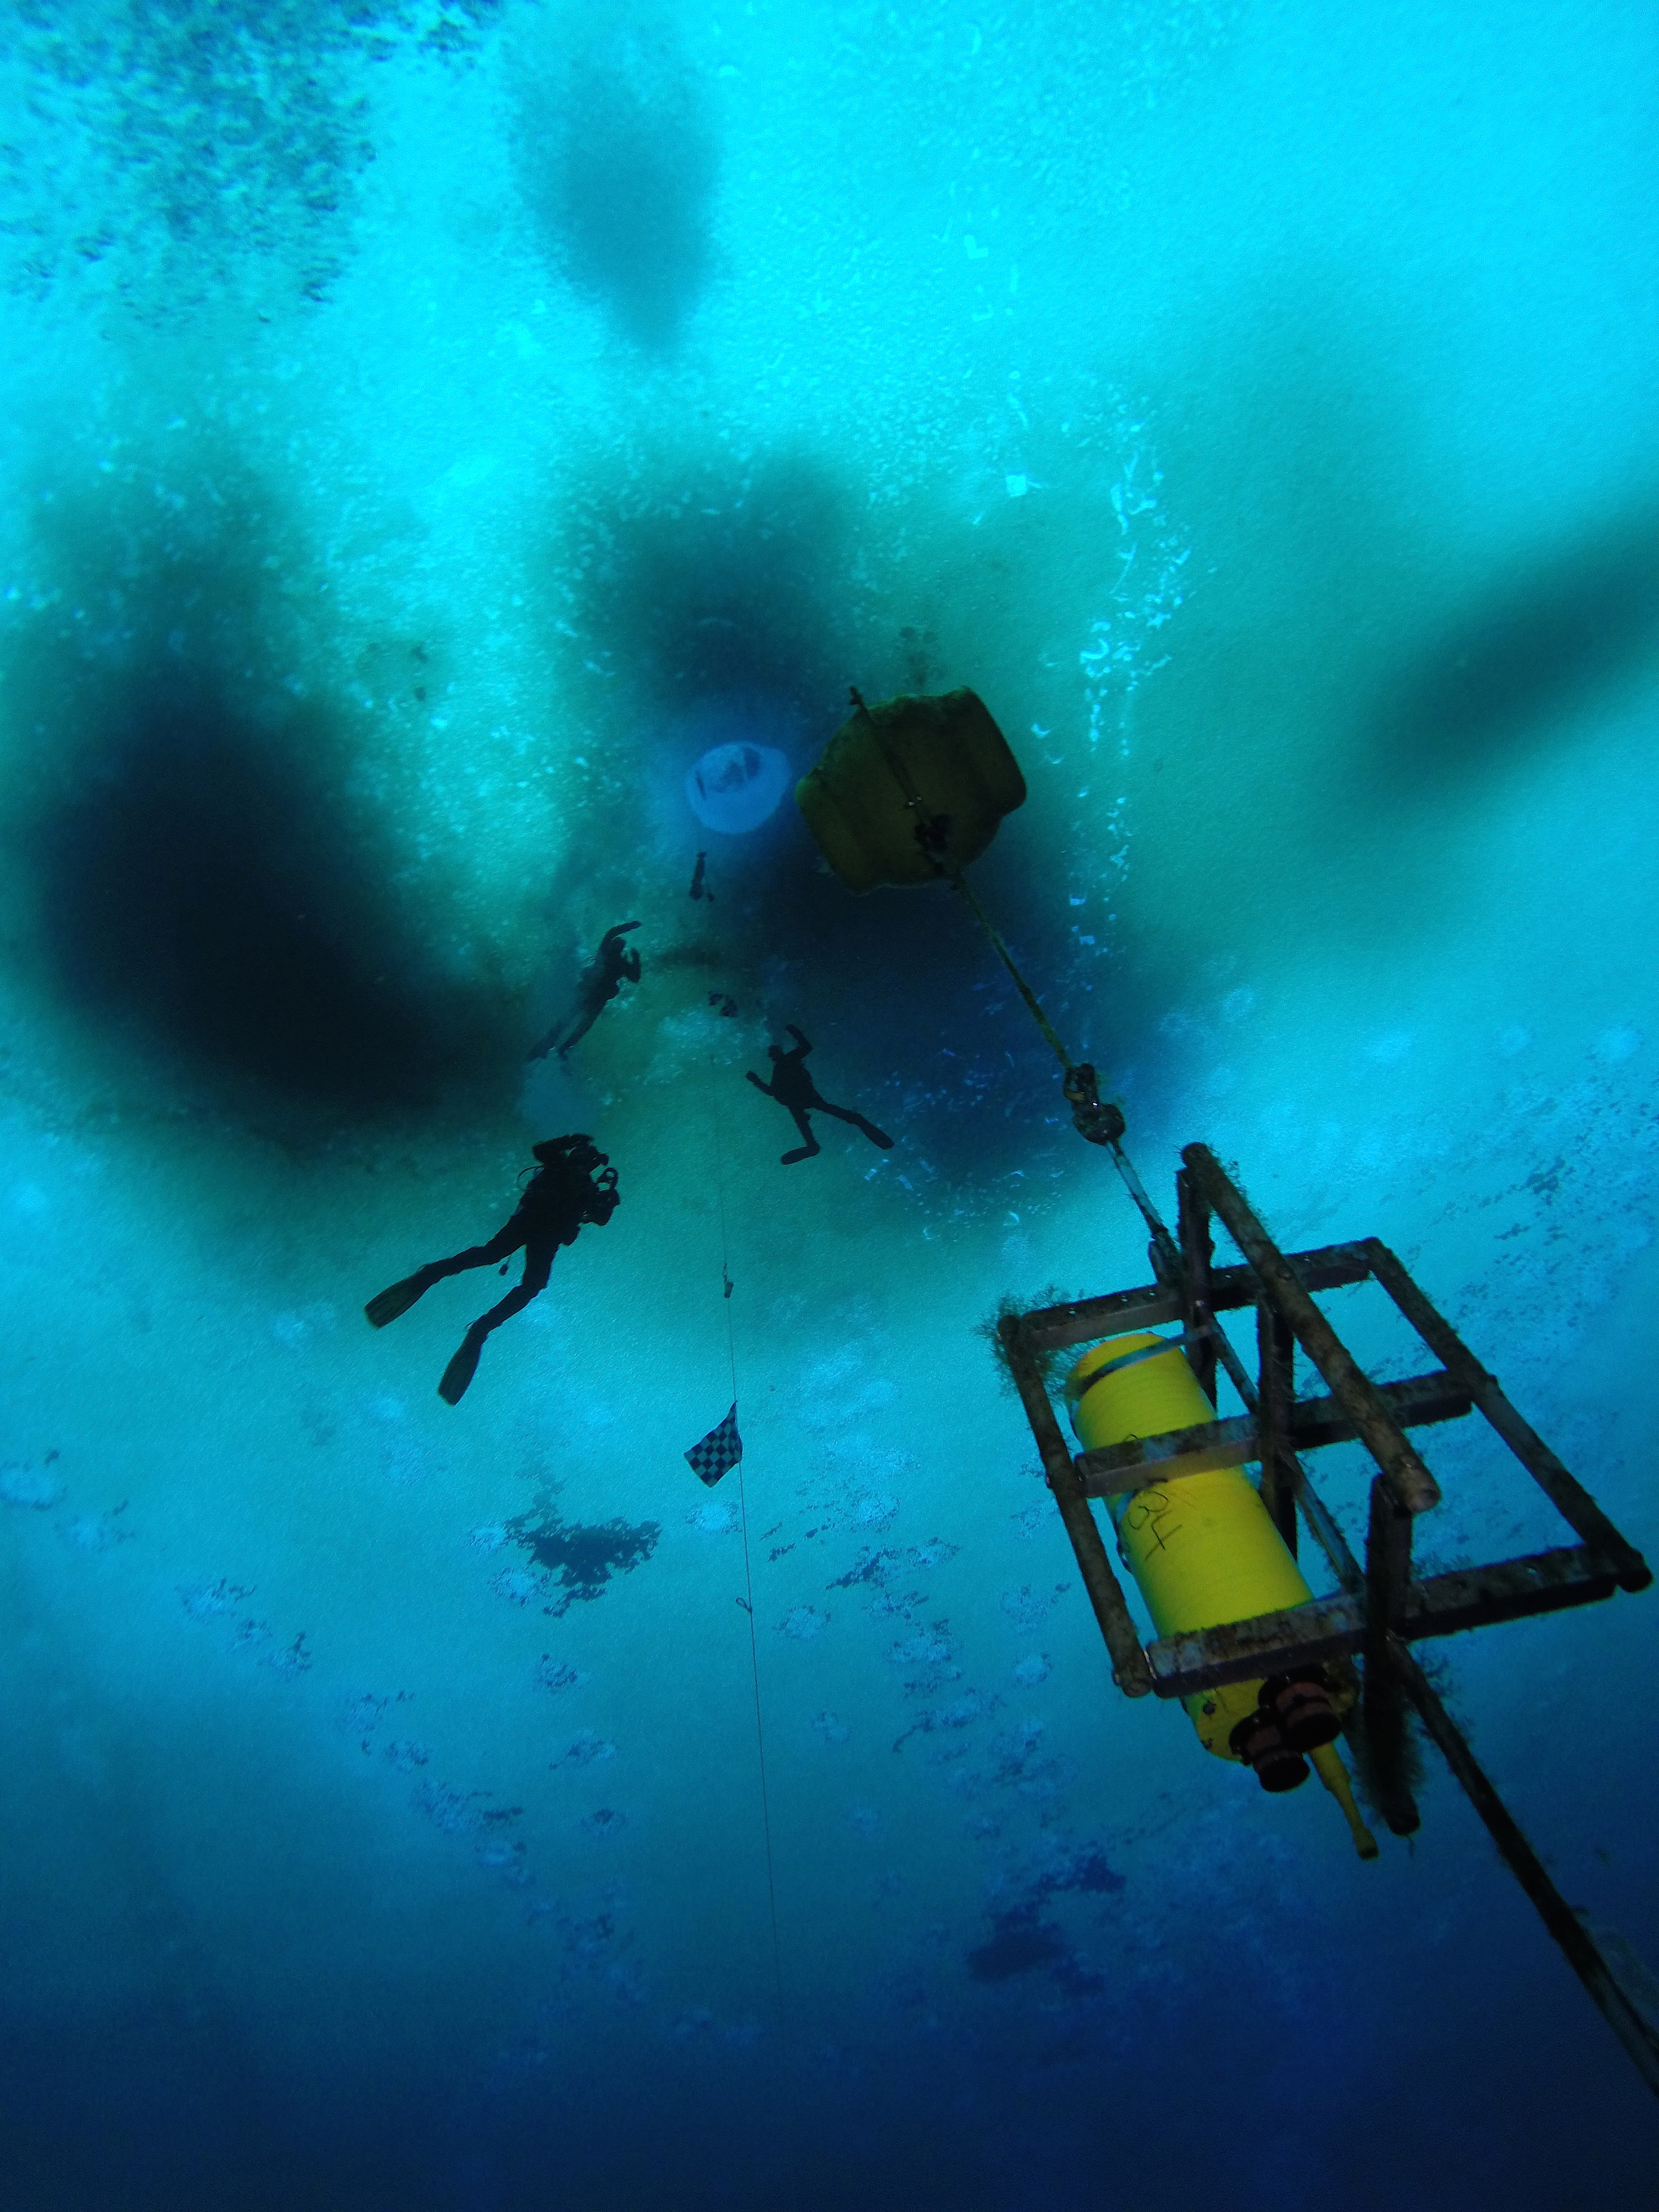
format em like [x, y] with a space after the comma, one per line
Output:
[433, 432]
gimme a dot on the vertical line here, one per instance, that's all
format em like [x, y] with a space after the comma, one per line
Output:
[748, 1574]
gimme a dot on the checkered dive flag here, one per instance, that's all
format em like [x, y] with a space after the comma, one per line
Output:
[718, 1452]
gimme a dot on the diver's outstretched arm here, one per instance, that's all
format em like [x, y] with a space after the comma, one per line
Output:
[799, 1038]
[758, 1085]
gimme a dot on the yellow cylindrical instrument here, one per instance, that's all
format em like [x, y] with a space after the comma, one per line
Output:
[1204, 1550]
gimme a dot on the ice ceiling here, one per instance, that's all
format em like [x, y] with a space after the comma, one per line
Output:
[435, 437]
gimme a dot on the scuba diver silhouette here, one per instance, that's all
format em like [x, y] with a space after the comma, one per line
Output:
[792, 1086]
[600, 981]
[566, 1193]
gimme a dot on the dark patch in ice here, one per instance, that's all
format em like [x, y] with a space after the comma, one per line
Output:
[1023, 1942]
[1545, 642]
[591, 1940]
[293, 1658]
[805, 1623]
[97, 1532]
[584, 1751]
[879, 1568]
[518, 1586]
[1020, 1942]
[618, 162]
[467, 1815]
[580, 1559]
[1019, 1766]
[203, 881]
[220, 1604]
[363, 1714]
[553, 1674]
[1089, 1870]
[32, 1486]
[1026, 1606]
[462, 1812]
[213, 1600]
[961, 1712]
[605, 1821]
[927, 1659]
[870, 1567]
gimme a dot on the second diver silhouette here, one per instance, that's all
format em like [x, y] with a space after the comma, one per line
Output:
[792, 1086]
[612, 966]
[574, 1185]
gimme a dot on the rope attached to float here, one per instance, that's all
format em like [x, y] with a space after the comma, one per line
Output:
[1096, 1119]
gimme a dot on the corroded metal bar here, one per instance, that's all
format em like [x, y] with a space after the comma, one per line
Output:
[1080, 1321]
[1326, 1268]
[1275, 1360]
[1440, 1605]
[1378, 1727]
[1578, 1946]
[1143, 1462]
[1381, 1434]
[1329, 1537]
[1085, 1320]
[1130, 1669]
[1383, 1715]
[1418, 1402]
[1387, 1564]
[1568, 1496]
[1197, 1248]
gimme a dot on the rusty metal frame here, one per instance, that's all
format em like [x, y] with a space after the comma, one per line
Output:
[1381, 1605]
[1382, 1598]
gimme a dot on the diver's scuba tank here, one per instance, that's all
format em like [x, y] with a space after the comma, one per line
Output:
[577, 1180]
[1204, 1550]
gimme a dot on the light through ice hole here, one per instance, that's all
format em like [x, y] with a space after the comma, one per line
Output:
[736, 788]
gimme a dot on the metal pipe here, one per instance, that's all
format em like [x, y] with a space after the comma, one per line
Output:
[1579, 1948]
[1164, 1246]
[1193, 1229]
[1327, 1535]
[1381, 1434]
[1275, 1354]
[1568, 1496]
[1387, 1564]
[1130, 1669]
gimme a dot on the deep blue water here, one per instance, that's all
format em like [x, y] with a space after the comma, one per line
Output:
[429, 431]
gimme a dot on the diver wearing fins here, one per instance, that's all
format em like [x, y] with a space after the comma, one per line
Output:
[793, 1087]
[574, 1185]
[612, 966]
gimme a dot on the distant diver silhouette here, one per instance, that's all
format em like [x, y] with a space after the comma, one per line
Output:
[698, 889]
[574, 1185]
[600, 981]
[792, 1086]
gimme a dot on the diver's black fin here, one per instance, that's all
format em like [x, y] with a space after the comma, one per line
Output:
[399, 1299]
[461, 1369]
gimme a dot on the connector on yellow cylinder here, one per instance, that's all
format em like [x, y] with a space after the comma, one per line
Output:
[1327, 1765]
[1204, 1550]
